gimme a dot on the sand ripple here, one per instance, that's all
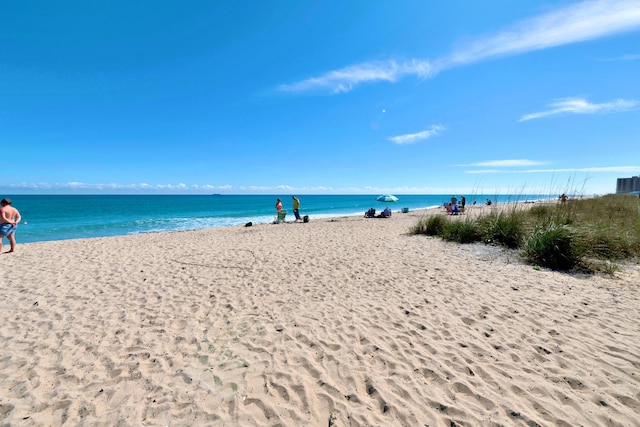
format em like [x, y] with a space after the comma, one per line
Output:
[347, 322]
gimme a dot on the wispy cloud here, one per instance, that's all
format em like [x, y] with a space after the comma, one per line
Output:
[145, 188]
[506, 163]
[576, 23]
[415, 137]
[581, 106]
[608, 169]
[345, 79]
[117, 188]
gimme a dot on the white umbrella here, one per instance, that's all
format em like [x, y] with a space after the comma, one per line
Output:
[387, 198]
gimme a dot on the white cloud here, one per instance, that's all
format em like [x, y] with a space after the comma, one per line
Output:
[283, 187]
[581, 106]
[414, 137]
[344, 80]
[214, 187]
[506, 163]
[607, 169]
[116, 188]
[576, 23]
[485, 171]
[83, 188]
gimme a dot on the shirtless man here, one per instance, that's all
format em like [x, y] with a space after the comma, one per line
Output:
[9, 219]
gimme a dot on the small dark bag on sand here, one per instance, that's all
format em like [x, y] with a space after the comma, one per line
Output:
[305, 218]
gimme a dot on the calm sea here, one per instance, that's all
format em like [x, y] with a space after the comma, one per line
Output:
[63, 217]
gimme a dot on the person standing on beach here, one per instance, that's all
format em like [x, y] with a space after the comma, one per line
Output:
[296, 207]
[278, 205]
[463, 201]
[9, 219]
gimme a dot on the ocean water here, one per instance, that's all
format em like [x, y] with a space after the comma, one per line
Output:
[63, 217]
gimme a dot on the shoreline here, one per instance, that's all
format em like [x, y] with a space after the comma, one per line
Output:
[80, 217]
[338, 321]
[319, 217]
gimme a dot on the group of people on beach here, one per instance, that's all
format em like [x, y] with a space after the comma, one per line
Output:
[453, 208]
[371, 213]
[9, 219]
[296, 207]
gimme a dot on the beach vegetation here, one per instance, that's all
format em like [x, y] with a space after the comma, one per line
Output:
[551, 245]
[431, 225]
[589, 234]
[464, 231]
[504, 229]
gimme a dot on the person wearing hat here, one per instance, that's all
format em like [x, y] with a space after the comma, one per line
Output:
[9, 219]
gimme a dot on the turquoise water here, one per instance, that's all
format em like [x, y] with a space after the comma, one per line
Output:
[63, 217]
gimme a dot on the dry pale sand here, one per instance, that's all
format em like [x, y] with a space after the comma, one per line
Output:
[344, 322]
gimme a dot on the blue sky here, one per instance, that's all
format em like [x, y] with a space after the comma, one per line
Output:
[326, 97]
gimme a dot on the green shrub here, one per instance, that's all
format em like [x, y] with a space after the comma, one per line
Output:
[430, 225]
[560, 214]
[551, 246]
[540, 211]
[605, 243]
[465, 231]
[502, 229]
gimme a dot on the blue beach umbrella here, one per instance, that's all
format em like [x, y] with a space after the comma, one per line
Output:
[387, 198]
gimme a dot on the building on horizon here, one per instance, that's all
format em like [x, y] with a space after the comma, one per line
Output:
[627, 185]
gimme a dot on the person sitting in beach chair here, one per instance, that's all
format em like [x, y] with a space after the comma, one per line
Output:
[454, 209]
[371, 213]
[386, 213]
[447, 206]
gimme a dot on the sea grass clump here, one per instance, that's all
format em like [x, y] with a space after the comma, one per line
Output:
[590, 234]
[551, 246]
[430, 225]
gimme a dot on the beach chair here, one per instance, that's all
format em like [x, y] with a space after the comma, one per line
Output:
[281, 216]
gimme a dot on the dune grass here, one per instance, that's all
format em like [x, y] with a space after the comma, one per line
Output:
[590, 234]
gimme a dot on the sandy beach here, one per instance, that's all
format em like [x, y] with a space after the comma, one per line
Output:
[336, 322]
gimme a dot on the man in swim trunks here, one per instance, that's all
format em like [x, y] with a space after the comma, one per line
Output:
[9, 219]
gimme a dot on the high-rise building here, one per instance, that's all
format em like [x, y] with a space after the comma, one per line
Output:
[627, 185]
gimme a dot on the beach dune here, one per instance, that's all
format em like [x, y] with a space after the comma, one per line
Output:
[336, 322]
